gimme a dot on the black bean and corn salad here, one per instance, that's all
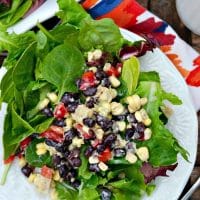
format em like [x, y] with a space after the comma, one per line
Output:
[82, 118]
[92, 121]
[94, 125]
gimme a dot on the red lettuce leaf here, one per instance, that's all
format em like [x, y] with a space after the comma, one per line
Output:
[5, 2]
[150, 172]
[35, 6]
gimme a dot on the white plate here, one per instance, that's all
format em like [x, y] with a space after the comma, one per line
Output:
[183, 124]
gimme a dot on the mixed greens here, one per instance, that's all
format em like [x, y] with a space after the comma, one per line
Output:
[12, 11]
[54, 79]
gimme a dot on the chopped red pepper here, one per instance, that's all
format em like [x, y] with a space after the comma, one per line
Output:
[24, 143]
[60, 111]
[9, 160]
[105, 156]
[95, 143]
[47, 172]
[54, 133]
[113, 71]
[86, 135]
[88, 80]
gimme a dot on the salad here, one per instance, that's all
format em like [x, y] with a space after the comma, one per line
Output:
[12, 11]
[82, 118]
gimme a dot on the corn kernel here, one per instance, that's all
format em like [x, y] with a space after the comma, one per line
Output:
[99, 133]
[93, 160]
[52, 97]
[138, 116]
[93, 69]
[143, 153]
[77, 142]
[107, 66]
[40, 152]
[41, 146]
[114, 81]
[56, 176]
[117, 108]
[130, 157]
[121, 125]
[103, 166]
[22, 162]
[147, 122]
[31, 178]
[147, 133]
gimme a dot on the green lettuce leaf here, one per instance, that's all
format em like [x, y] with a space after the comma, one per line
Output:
[163, 146]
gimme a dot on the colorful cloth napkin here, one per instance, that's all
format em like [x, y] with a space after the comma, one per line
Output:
[131, 15]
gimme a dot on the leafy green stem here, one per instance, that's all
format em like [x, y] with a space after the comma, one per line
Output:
[46, 32]
[5, 173]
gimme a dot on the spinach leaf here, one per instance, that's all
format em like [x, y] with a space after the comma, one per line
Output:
[62, 66]
[83, 171]
[35, 160]
[20, 128]
[15, 45]
[130, 74]
[71, 12]
[7, 87]
[100, 34]
[23, 72]
[64, 32]
[7, 135]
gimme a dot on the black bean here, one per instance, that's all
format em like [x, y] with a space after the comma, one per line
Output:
[75, 153]
[91, 102]
[59, 122]
[69, 98]
[101, 148]
[63, 170]
[91, 91]
[35, 136]
[89, 122]
[129, 133]
[56, 160]
[109, 139]
[94, 168]
[131, 118]
[72, 107]
[106, 82]
[70, 175]
[75, 162]
[140, 128]
[100, 74]
[119, 117]
[76, 184]
[105, 123]
[70, 134]
[27, 170]
[105, 194]
[119, 152]
[50, 143]
[89, 151]
[47, 112]
[61, 148]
